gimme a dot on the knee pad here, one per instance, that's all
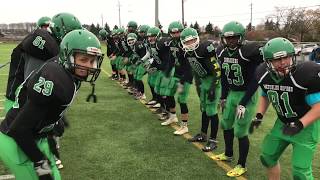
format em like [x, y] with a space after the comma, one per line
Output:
[184, 108]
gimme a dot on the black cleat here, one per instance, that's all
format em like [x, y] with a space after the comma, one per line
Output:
[198, 138]
[211, 145]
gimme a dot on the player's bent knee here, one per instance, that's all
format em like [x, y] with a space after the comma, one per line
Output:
[268, 161]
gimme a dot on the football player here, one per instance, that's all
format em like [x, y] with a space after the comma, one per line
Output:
[294, 92]
[202, 59]
[39, 46]
[160, 73]
[239, 61]
[41, 101]
[139, 51]
[182, 76]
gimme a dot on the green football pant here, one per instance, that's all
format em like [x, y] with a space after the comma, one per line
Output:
[152, 77]
[168, 86]
[183, 96]
[19, 164]
[210, 107]
[139, 72]
[8, 105]
[304, 145]
[229, 120]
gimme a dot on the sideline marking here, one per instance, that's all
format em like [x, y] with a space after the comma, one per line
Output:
[221, 164]
[7, 176]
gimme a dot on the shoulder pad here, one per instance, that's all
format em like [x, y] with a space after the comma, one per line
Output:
[250, 49]
[206, 49]
[260, 71]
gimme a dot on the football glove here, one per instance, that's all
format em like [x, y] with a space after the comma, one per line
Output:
[292, 128]
[241, 110]
[43, 169]
[256, 122]
[180, 88]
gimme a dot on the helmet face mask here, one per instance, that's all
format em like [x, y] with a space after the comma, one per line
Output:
[80, 53]
[131, 39]
[278, 53]
[189, 39]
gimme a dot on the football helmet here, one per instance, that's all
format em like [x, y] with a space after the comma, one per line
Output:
[174, 27]
[276, 49]
[103, 34]
[142, 30]
[233, 29]
[44, 21]
[132, 26]
[153, 35]
[189, 39]
[85, 42]
[63, 23]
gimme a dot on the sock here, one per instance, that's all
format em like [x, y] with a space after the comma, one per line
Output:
[205, 123]
[228, 140]
[243, 150]
[214, 122]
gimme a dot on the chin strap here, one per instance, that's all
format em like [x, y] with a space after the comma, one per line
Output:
[92, 95]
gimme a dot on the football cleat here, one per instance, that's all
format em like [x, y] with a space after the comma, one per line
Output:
[237, 171]
[222, 157]
[182, 130]
[151, 102]
[211, 145]
[158, 105]
[198, 138]
[172, 119]
[163, 117]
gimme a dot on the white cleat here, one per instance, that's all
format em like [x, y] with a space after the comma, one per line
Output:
[172, 119]
[182, 130]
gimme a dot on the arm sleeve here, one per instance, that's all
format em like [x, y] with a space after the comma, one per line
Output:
[252, 85]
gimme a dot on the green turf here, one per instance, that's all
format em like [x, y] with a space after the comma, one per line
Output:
[118, 138]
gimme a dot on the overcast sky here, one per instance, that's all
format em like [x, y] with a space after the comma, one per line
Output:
[142, 11]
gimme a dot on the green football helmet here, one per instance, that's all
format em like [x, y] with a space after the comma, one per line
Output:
[132, 26]
[233, 29]
[142, 30]
[132, 39]
[63, 23]
[121, 32]
[189, 39]
[276, 49]
[85, 42]
[175, 27]
[153, 34]
[44, 22]
[103, 34]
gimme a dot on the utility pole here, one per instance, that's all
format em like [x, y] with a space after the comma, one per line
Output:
[102, 21]
[251, 16]
[119, 13]
[182, 3]
[156, 16]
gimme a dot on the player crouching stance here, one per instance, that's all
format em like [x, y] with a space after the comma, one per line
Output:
[41, 101]
[294, 92]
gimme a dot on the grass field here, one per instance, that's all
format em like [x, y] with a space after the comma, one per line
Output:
[119, 138]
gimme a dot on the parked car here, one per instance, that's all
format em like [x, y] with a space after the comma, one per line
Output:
[307, 48]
